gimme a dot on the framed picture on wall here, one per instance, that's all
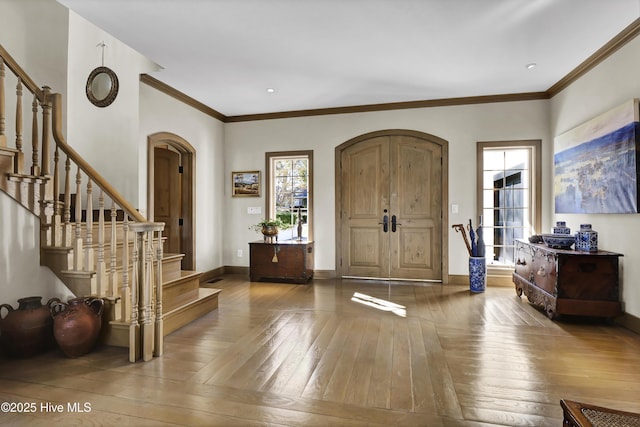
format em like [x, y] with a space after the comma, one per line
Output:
[596, 165]
[245, 184]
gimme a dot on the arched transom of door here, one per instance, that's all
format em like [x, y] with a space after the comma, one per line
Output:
[391, 207]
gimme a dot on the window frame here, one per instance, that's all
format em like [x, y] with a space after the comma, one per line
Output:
[535, 177]
[269, 182]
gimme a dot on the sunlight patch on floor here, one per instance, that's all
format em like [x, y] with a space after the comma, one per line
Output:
[380, 304]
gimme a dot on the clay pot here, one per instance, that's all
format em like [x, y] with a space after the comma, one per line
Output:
[76, 324]
[28, 330]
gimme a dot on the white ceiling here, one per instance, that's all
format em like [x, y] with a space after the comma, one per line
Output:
[336, 53]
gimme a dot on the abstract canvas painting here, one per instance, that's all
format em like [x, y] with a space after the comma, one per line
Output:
[595, 164]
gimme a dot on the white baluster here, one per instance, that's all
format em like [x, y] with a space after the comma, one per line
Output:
[159, 329]
[134, 326]
[77, 243]
[18, 160]
[113, 272]
[88, 250]
[66, 210]
[101, 265]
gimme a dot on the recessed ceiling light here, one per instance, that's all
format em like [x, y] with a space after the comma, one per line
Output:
[270, 90]
[531, 65]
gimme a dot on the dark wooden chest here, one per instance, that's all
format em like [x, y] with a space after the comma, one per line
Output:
[287, 261]
[567, 281]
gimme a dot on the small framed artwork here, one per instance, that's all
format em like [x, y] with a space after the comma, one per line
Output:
[245, 184]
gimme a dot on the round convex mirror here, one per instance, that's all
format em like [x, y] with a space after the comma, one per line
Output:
[102, 86]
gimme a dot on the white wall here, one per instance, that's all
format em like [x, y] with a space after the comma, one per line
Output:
[40, 49]
[106, 137]
[20, 272]
[35, 33]
[161, 113]
[606, 86]
[462, 126]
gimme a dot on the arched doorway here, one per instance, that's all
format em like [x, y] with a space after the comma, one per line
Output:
[391, 198]
[170, 193]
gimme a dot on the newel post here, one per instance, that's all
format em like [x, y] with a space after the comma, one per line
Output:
[147, 297]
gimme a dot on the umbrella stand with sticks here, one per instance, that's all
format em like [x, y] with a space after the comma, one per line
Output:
[460, 228]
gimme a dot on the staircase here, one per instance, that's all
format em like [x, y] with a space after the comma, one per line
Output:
[110, 251]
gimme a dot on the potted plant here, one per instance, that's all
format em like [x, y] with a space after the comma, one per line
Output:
[269, 227]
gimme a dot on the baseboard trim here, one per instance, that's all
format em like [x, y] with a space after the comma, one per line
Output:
[630, 322]
[236, 269]
[324, 274]
[463, 279]
[211, 274]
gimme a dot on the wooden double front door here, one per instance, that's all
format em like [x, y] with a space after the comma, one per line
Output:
[391, 208]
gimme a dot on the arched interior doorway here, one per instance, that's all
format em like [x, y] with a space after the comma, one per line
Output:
[391, 198]
[170, 192]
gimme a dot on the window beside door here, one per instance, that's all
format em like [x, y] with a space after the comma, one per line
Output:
[289, 191]
[509, 183]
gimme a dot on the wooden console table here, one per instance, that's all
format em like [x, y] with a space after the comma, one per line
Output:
[564, 281]
[285, 261]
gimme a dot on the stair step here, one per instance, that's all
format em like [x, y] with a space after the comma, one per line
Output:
[180, 290]
[171, 266]
[117, 332]
[206, 302]
[58, 259]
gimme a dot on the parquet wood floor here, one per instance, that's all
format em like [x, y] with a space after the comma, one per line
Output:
[336, 353]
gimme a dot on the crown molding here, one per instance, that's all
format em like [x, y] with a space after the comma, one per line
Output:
[446, 102]
[168, 90]
[624, 37]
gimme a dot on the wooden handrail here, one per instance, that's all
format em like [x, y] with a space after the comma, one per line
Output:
[56, 119]
[22, 75]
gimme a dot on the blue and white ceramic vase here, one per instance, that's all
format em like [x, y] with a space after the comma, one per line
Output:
[561, 228]
[477, 274]
[586, 239]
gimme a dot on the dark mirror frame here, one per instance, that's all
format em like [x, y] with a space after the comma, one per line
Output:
[111, 96]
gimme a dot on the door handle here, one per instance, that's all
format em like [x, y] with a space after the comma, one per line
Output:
[385, 223]
[394, 223]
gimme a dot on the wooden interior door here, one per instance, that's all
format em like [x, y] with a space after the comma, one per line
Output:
[391, 208]
[415, 208]
[167, 196]
[365, 203]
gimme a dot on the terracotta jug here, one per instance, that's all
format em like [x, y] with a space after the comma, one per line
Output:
[76, 324]
[28, 330]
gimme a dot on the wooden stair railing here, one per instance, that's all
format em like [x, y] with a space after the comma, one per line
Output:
[118, 267]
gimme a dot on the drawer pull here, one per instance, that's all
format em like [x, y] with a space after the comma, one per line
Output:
[541, 272]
